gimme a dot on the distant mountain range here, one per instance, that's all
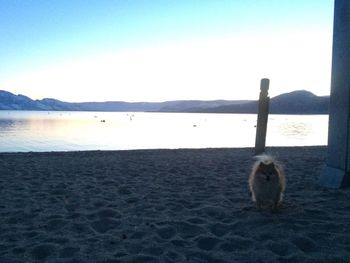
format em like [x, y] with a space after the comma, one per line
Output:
[296, 102]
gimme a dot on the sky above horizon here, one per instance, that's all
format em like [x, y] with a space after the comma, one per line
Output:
[156, 50]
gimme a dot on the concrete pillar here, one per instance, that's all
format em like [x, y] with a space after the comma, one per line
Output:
[337, 172]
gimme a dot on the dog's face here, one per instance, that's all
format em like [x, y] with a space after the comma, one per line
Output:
[267, 171]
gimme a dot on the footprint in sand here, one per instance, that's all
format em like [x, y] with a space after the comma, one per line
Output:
[305, 244]
[104, 225]
[207, 242]
[68, 252]
[108, 213]
[187, 230]
[55, 224]
[42, 252]
[166, 232]
[237, 243]
[281, 248]
[219, 229]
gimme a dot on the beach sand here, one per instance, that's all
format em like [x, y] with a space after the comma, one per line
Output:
[166, 206]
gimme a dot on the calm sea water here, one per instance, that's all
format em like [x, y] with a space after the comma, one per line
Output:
[22, 131]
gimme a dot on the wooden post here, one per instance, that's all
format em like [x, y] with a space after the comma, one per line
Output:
[263, 112]
[337, 171]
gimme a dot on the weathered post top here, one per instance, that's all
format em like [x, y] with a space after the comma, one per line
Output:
[264, 86]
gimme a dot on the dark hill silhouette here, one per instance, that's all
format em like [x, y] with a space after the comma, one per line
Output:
[9, 101]
[296, 102]
[299, 102]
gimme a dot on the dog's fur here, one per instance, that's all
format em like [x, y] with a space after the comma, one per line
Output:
[267, 183]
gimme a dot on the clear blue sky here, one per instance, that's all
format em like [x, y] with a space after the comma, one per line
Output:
[155, 50]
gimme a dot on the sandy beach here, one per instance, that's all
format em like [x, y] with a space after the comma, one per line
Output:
[166, 206]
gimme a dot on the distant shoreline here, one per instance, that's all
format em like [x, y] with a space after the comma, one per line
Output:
[296, 102]
[2, 110]
[269, 149]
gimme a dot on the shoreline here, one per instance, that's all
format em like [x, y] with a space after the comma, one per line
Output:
[182, 205]
[268, 149]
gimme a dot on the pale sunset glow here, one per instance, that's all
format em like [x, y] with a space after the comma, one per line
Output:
[212, 52]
